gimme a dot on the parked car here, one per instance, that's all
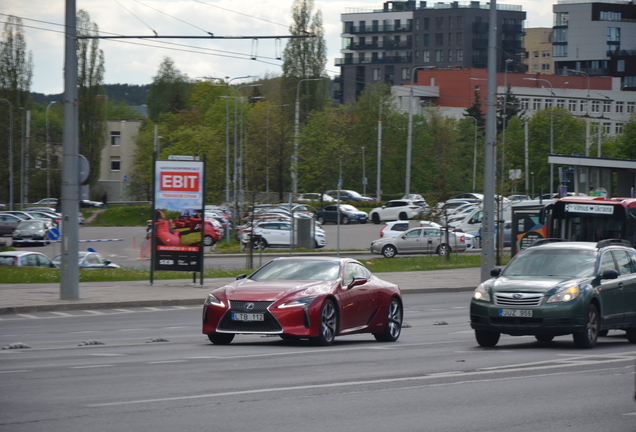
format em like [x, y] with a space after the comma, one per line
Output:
[416, 198]
[54, 217]
[277, 234]
[558, 288]
[35, 231]
[474, 197]
[396, 228]
[89, 261]
[348, 195]
[47, 202]
[310, 197]
[300, 210]
[305, 298]
[395, 210]
[448, 207]
[348, 214]
[21, 214]
[426, 240]
[90, 204]
[25, 259]
[8, 223]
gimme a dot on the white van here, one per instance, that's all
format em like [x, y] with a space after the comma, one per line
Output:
[472, 221]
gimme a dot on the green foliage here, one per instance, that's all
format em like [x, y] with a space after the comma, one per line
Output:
[626, 142]
[475, 111]
[92, 108]
[120, 111]
[122, 216]
[168, 92]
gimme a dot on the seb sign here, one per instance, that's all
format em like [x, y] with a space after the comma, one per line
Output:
[179, 181]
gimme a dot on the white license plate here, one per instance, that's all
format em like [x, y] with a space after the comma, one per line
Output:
[521, 313]
[247, 317]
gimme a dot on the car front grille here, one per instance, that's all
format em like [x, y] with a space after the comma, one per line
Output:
[518, 299]
[269, 325]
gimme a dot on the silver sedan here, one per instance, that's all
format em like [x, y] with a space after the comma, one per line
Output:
[420, 240]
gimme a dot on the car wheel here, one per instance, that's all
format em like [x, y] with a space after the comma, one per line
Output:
[321, 220]
[327, 324]
[389, 251]
[208, 240]
[631, 335]
[588, 337]
[443, 250]
[393, 326]
[486, 338]
[403, 216]
[345, 220]
[544, 338]
[220, 338]
[259, 243]
[375, 218]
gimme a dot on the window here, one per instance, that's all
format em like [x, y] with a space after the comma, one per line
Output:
[583, 105]
[619, 107]
[607, 127]
[450, 22]
[619, 128]
[425, 38]
[426, 56]
[525, 103]
[560, 103]
[545, 67]
[450, 39]
[561, 18]
[376, 74]
[460, 22]
[439, 56]
[560, 50]
[630, 107]
[439, 23]
[460, 39]
[613, 34]
[417, 23]
[596, 106]
[610, 16]
[417, 40]
[115, 138]
[607, 106]
[545, 54]
[115, 165]
[536, 104]
[561, 35]
[620, 65]
[450, 55]
[405, 74]
[426, 23]
[535, 68]
[572, 105]
[439, 39]
[417, 56]
[548, 103]
[535, 54]
[460, 55]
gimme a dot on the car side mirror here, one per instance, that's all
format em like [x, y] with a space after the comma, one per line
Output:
[495, 272]
[357, 281]
[241, 276]
[609, 274]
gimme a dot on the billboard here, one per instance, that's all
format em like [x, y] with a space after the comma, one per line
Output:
[178, 221]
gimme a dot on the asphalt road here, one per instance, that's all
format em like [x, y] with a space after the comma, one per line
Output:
[435, 378]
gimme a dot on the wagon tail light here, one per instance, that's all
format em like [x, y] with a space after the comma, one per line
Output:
[462, 239]
[413, 207]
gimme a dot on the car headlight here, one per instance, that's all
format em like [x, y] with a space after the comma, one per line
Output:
[565, 294]
[481, 293]
[213, 300]
[301, 302]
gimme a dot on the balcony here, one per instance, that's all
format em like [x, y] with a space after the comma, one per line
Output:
[404, 28]
[480, 27]
[385, 60]
[480, 61]
[512, 29]
[512, 45]
[380, 45]
[480, 43]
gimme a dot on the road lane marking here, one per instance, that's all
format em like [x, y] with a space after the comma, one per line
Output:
[91, 367]
[28, 316]
[108, 355]
[64, 314]
[124, 310]
[15, 371]
[153, 309]
[167, 361]
[94, 312]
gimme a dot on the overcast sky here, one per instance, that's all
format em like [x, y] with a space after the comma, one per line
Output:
[135, 61]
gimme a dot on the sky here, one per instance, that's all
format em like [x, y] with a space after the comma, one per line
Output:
[136, 61]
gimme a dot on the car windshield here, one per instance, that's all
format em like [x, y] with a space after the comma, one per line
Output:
[347, 207]
[552, 262]
[30, 225]
[298, 270]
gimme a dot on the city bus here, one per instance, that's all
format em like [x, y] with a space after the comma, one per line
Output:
[575, 218]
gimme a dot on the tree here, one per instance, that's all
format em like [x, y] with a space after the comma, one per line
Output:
[625, 143]
[475, 111]
[168, 92]
[305, 57]
[512, 108]
[15, 82]
[91, 94]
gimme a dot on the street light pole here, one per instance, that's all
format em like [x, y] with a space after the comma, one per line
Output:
[294, 165]
[475, 155]
[48, 152]
[10, 152]
[267, 145]
[551, 129]
[409, 138]
[378, 188]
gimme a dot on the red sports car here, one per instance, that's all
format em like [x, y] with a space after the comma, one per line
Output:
[298, 298]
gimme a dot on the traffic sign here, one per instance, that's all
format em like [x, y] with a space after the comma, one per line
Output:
[54, 234]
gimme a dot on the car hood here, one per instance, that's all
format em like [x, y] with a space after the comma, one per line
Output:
[536, 285]
[274, 290]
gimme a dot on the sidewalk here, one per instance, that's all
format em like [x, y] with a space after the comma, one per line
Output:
[30, 298]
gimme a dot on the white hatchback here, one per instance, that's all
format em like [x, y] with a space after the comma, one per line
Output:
[395, 210]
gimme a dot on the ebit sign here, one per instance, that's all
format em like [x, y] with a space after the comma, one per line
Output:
[179, 181]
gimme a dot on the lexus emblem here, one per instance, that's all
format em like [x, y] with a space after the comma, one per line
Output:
[248, 306]
[517, 296]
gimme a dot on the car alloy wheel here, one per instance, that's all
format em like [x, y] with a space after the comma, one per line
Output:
[327, 325]
[389, 251]
[375, 218]
[208, 240]
[442, 250]
[588, 337]
[345, 220]
[403, 216]
[393, 325]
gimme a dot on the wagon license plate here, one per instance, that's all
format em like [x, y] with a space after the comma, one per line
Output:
[521, 313]
[247, 317]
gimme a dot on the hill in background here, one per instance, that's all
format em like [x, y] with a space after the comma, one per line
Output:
[134, 95]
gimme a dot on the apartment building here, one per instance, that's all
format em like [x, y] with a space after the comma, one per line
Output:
[538, 45]
[385, 44]
[117, 159]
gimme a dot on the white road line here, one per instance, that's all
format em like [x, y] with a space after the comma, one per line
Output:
[63, 314]
[28, 316]
[421, 378]
[153, 309]
[91, 367]
[94, 312]
[108, 355]
[124, 310]
[632, 414]
[15, 371]
[460, 307]
[132, 329]
[167, 361]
